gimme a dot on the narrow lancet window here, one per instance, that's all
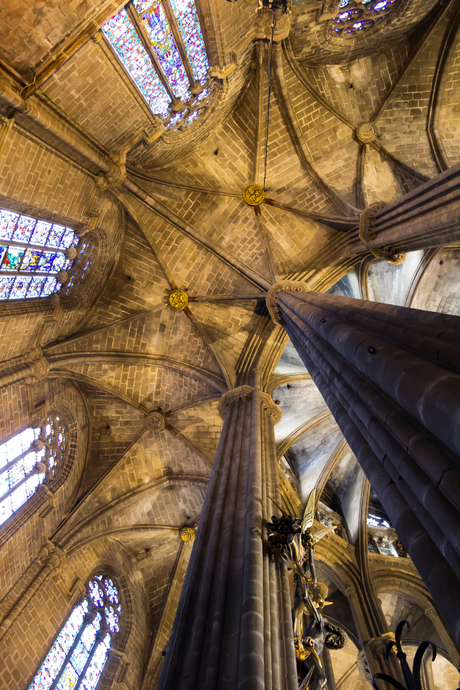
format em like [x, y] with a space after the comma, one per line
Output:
[35, 256]
[31, 458]
[79, 654]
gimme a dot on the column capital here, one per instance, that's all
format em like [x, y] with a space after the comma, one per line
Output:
[230, 396]
[271, 408]
[367, 224]
[273, 294]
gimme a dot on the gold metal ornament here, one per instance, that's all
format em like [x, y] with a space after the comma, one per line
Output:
[178, 299]
[187, 534]
[254, 195]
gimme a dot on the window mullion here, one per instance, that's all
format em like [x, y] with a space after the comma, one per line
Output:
[86, 621]
[179, 42]
[16, 459]
[21, 482]
[31, 245]
[39, 274]
[100, 635]
[143, 36]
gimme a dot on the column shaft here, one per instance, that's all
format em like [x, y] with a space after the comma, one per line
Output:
[233, 624]
[429, 216]
[390, 377]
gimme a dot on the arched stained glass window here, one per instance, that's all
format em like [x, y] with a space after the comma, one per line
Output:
[78, 656]
[160, 44]
[27, 460]
[358, 15]
[35, 256]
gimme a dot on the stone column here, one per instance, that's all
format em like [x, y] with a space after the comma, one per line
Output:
[233, 626]
[429, 216]
[390, 378]
[28, 368]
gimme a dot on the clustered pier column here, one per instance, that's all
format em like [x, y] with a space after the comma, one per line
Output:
[390, 376]
[233, 625]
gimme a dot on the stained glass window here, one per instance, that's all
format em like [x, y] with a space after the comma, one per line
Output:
[377, 521]
[34, 256]
[27, 460]
[161, 22]
[79, 653]
[358, 15]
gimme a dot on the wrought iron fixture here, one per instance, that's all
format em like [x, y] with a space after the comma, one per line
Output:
[411, 678]
[293, 543]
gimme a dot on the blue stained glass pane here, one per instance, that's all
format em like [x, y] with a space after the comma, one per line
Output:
[154, 19]
[97, 664]
[111, 591]
[68, 238]
[24, 229]
[31, 259]
[96, 593]
[126, 43]
[7, 223]
[3, 249]
[5, 286]
[68, 680]
[51, 285]
[12, 258]
[41, 232]
[112, 619]
[49, 262]
[85, 644]
[36, 286]
[20, 287]
[89, 633]
[189, 26]
[55, 236]
[56, 656]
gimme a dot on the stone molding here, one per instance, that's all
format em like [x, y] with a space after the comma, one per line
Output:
[367, 224]
[230, 396]
[271, 299]
[154, 421]
[272, 409]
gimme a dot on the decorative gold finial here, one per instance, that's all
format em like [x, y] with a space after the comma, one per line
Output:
[187, 534]
[178, 299]
[254, 195]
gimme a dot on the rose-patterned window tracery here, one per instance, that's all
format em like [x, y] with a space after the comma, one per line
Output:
[31, 458]
[356, 16]
[79, 654]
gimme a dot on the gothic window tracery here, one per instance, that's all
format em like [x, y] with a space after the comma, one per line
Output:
[38, 258]
[79, 654]
[160, 44]
[29, 459]
[356, 16]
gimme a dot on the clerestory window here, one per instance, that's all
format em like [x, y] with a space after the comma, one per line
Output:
[356, 16]
[38, 258]
[160, 44]
[79, 654]
[31, 458]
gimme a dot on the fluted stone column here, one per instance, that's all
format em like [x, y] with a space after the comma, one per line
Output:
[429, 216]
[233, 625]
[390, 376]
